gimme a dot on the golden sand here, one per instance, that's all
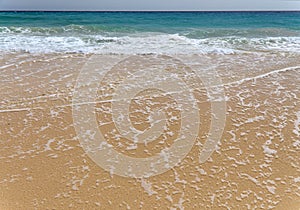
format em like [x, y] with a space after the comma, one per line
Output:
[256, 165]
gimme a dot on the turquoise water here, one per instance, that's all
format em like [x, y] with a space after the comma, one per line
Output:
[149, 32]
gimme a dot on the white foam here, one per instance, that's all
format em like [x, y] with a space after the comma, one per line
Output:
[138, 43]
[268, 150]
[148, 187]
[292, 68]
[297, 125]
[15, 110]
[271, 189]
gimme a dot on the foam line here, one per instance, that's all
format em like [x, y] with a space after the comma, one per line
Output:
[262, 75]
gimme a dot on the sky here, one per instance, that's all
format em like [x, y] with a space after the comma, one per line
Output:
[149, 5]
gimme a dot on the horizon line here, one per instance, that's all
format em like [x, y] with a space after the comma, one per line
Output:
[11, 10]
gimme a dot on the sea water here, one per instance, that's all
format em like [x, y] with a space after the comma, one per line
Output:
[149, 32]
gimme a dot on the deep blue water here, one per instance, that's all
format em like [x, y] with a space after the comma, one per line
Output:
[154, 21]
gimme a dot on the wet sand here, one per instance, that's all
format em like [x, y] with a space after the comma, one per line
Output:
[256, 165]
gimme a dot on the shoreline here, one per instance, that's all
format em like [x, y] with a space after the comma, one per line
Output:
[256, 164]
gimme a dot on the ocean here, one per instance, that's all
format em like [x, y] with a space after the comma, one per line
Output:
[149, 32]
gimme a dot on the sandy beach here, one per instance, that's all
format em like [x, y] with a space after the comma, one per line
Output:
[256, 165]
